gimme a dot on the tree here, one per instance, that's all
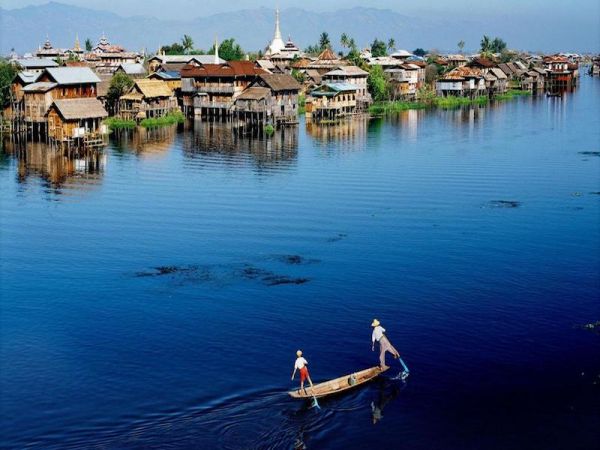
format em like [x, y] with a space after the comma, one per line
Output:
[391, 44]
[498, 45]
[88, 45]
[187, 43]
[299, 76]
[419, 52]
[174, 49]
[344, 40]
[119, 85]
[229, 50]
[431, 73]
[461, 46]
[486, 44]
[378, 48]
[377, 83]
[8, 72]
[324, 41]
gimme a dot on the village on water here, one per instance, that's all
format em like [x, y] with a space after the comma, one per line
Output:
[74, 97]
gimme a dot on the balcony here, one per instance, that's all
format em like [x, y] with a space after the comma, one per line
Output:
[225, 89]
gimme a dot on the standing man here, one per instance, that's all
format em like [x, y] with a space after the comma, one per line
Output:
[384, 344]
[301, 365]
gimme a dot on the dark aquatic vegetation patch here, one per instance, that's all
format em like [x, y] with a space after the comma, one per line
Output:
[594, 193]
[166, 270]
[337, 237]
[295, 260]
[253, 273]
[275, 280]
[590, 153]
[594, 327]
[503, 204]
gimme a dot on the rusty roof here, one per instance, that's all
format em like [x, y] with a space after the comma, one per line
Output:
[482, 62]
[461, 73]
[229, 69]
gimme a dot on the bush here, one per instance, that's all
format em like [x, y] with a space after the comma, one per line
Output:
[269, 129]
[171, 118]
[114, 123]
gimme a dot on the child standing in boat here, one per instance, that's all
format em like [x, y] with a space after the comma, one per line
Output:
[301, 365]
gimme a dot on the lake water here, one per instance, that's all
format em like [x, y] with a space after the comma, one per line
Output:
[155, 296]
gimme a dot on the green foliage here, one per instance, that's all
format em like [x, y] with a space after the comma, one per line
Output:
[269, 129]
[8, 72]
[187, 43]
[88, 45]
[115, 123]
[171, 118]
[229, 50]
[301, 104]
[345, 40]
[378, 48]
[451, 102]
[461, 46]
[419, 52]
[174, 49]
[299, 76]
[512, 93]
[391, 44]
[119, 85]
[489, 45]
[377, 83]
[324, 41]
[382, 108]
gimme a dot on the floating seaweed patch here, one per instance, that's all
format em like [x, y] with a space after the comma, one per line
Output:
[295, 260]
[166, 270]
[275, 280]
[594, 193]
[594, 327]
[590, 153]
[337, 237]
[503, 204]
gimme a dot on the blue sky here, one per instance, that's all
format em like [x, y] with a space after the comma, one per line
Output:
[574, 11]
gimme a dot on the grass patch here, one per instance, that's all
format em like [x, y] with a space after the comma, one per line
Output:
[456, 102]
[115, 123]
[171, 118]
[269, 129]
[301, 104]
[381, 108]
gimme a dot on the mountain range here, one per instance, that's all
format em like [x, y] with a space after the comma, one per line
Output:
[25, 29]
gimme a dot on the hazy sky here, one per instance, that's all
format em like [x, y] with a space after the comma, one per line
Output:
[572, 10]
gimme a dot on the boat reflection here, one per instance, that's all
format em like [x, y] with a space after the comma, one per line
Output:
[387, 391]
[223, 142]
[37, 160]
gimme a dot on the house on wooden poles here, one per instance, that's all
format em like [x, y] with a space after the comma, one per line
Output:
[147, 99]
[463, 82]
[352, 75]
[272, 98]
[77, 122]
[332, 101]
[210, 90]
[177, 62]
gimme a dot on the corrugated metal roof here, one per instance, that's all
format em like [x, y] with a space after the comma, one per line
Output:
[80, 108]
[133, 68]
[37, 63]
[202, 59]
[347, 71]
[498, 73]
[28, 77]
[73, 75]
[166, 75]
[42, 86]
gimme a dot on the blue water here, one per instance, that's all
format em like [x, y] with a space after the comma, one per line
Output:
[299, 241]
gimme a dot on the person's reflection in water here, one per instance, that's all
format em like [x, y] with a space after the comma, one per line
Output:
[386, 393]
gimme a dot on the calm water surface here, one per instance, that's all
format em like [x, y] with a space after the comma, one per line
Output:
[154, 296]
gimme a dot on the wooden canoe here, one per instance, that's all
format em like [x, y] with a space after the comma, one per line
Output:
[338, 384]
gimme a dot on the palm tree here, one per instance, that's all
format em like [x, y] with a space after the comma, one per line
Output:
[187, 43]
[344, 40]
[461, 45]
[486, 44]
[88, 45]
[391, 44]
[324, 41]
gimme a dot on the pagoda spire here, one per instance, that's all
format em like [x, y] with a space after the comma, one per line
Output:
[216, 61]
[277, 30]
[77, 47]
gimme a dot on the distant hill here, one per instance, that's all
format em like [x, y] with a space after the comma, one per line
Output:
[26, 28]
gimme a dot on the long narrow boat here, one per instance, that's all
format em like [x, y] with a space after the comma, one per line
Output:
[338, 384]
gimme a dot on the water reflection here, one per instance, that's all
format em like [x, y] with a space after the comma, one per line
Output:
[37, 160]
[387, 391]
[223, 142]
[145, 142]
[351, 131]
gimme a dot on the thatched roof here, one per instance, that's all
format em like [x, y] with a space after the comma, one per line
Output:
[42, 86]
[327, 55]
[254, 93]
[152, 88]
[79, 108]
[280, 82]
